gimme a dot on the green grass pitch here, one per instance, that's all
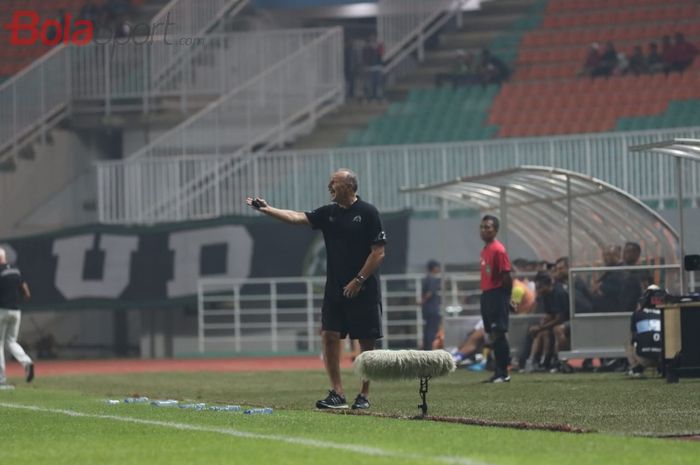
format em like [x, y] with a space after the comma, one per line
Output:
[64, 420]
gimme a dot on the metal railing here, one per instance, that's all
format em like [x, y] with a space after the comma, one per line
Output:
[404, 25]
[297, 179]
[193, 18]
[38, 97]
[111, 76]
[267, 110]
[35, 99]
[284, 314]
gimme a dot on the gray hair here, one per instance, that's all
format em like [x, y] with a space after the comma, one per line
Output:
[350, 177]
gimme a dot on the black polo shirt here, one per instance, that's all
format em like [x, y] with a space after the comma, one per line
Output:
[557, 302]
[10, 284]
[349, 234]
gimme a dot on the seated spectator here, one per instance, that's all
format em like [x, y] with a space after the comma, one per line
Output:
[582, 295]
[635, 280]
[467, 353]
[655, 64]
[682, 54]
[464, 71]
[667, 53]
[621, 65]
[637, 62]
[522, 298]
[592, 61]
[608, 61]
[644, 349]
[607, 290]
[540, 347]
[492, 69]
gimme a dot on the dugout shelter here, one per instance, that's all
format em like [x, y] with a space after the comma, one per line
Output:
[562, 213]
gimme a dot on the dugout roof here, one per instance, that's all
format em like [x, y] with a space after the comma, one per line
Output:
[533, 203]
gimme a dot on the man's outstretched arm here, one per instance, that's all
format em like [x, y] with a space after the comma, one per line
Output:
[286, 216]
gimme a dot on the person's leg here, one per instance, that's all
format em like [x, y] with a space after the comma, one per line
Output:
[3, 331]
[331, 358]
[473, 342]
[365, 345]
[12, 332]
[501, 352]
[431, 324]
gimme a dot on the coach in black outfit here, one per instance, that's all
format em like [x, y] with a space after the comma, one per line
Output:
[355, 239]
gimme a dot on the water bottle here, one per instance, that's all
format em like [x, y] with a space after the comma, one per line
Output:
[225, 408]
[136, 400]
[113, 401]
[258, 411]
[165, 403]
[196, 406]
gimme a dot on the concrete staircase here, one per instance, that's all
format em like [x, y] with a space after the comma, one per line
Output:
[479, 29]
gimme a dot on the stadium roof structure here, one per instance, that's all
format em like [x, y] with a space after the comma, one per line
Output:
[680, 149]
[535, 203]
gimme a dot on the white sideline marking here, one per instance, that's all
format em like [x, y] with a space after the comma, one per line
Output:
[364, 450]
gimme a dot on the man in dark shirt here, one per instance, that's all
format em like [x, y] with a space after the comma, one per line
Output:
[355, 239]
[607, 291]
[12, 288]
[430, 304]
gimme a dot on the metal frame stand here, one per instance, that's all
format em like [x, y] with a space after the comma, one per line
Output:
[423, 392]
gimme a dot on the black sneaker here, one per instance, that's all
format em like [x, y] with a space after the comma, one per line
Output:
[333, 400]
[361, 403]
[29, 372]
[498, 379]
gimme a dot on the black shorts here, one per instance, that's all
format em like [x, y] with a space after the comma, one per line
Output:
[359, 319]
[495, 308]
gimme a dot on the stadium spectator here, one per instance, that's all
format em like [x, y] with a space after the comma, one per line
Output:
[352, 61]
[667, 53]
[430, 304]
[637, 62]
[496, 285]
[467, 353]
[372, 54]
[607, 62]
[13, 288]
[492, 70]
[582, 295]
[621, 65]
[635, 280]
[682, 53]
[645, 347]
[354, 239]
[464, 71]
[592, 60]
[554, 302]
[655, 63]
[606, 291]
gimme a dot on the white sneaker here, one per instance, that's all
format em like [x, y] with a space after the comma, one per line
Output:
[6, 387]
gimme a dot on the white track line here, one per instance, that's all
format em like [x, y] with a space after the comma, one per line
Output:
[299, 441]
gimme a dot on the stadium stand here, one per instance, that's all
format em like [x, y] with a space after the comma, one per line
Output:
[545, 96]
[14, 58]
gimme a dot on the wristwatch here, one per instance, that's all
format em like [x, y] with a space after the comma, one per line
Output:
[360, 279]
